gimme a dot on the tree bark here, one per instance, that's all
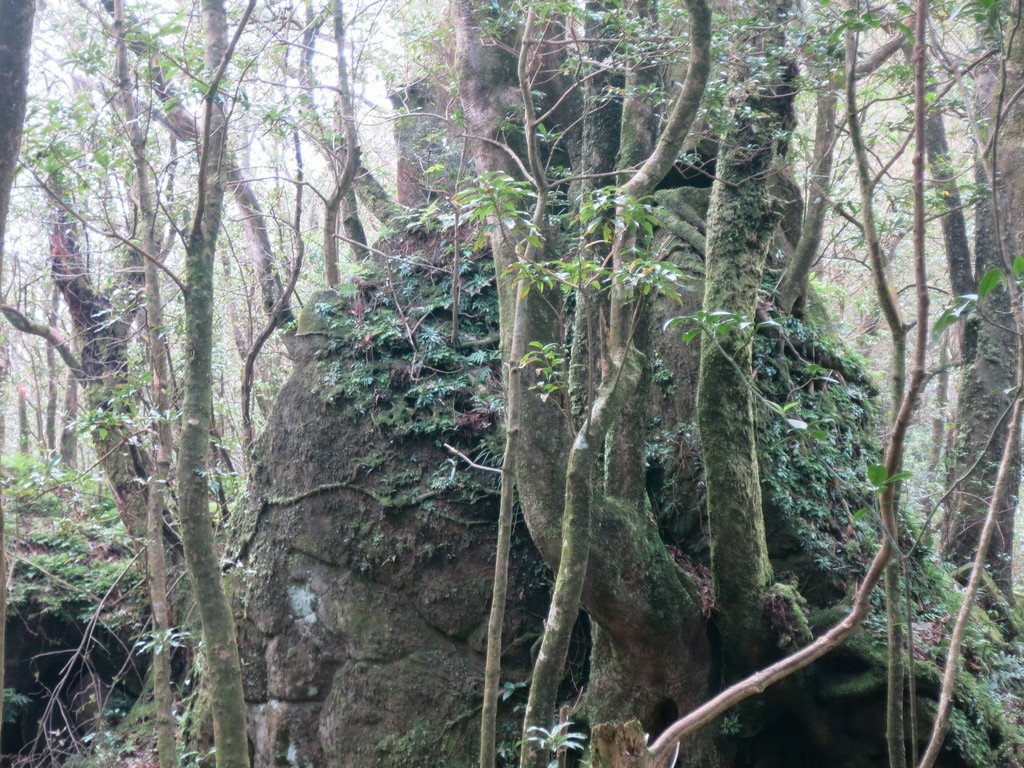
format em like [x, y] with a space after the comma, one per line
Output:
[954, 226]
[635, 594]
[156, 566]
[24, 433]
[69, 430]
[15, 44]
[793, 287]
[741, 223]
[985, 383]
[224, 676]
[50, 429]
[103, 339]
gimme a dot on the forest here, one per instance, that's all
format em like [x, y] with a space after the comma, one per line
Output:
[500, 383]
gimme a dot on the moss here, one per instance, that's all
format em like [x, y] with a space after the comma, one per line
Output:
[390, 353]
[786, 610]
[418, 748]
[865, 684]
[317, 315]
[66, 567]
[814, 490]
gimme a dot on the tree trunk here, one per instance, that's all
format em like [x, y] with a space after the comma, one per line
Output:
[24, 433]
[156, 566]
[103, 338]
[224, 676]
[650, 656]
[793, 287]
[69, 431]
[15, 42]
[50, 428]
[741, 222]
[985, 383]
[954, 226]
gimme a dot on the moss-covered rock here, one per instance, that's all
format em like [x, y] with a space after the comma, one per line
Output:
[367, 549]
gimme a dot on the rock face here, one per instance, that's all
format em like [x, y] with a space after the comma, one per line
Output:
[366, 563]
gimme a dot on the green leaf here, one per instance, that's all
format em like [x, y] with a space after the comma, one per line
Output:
[946, 319]
[1018, 266]
[950, 315]
[878, 475]
[901, 475]
[990, 281]
[797, 423]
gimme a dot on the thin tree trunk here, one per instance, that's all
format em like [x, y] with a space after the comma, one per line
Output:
[156, 565]
[257, 239]
[889, 304]
[69, 431]
[495, 622]
[5, 370]
[184, 126]
[50, 428]
[340, 209]
[24, 434]
[201, 556]
[793, 287]
[939, 408]
[15, 43]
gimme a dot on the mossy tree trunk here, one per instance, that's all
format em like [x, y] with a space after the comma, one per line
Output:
[741, 222]
[984, 397]
[103, 340]
[650, 654]
[223, 669]
[15, 43]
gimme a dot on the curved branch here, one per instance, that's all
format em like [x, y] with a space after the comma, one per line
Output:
[21, 322]
[684, 109]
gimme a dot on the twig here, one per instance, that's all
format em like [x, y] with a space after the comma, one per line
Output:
[469, 462]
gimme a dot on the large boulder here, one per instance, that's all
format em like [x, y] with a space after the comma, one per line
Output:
[366, 554]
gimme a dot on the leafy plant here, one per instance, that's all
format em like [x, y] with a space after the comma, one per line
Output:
[549, 362]
[560, 738]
